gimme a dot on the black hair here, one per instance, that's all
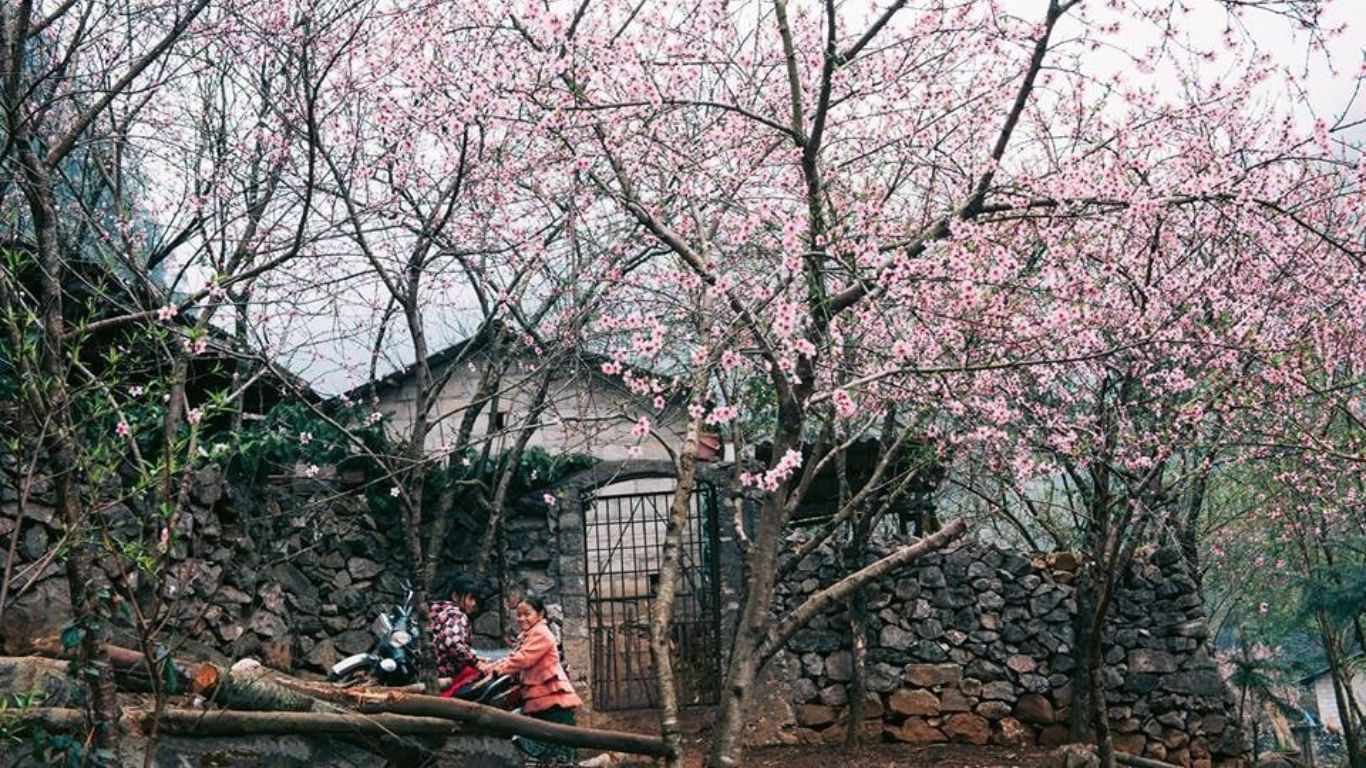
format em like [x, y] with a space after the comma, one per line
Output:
[536, 603]
[461, 585]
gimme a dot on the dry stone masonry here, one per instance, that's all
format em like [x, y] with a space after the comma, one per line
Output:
[293, 574]
[976, 646]
[972, 646]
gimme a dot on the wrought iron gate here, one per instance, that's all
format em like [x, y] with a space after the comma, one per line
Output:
[625, 544]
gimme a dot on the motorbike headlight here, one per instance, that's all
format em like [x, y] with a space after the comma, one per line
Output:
[388, 665]
[400, 638]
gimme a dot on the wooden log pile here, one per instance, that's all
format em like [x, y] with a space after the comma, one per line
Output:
[249, 699]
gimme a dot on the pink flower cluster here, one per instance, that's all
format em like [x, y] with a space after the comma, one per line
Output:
[774, 477]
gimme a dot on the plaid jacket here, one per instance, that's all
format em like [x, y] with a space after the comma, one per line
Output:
[450, 629]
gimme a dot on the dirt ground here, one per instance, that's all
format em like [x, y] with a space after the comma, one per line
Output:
[891, 756]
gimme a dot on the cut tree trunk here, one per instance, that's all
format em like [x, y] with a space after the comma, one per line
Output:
[250, 688]
[498, 722]
[262, 689]
[232, 723]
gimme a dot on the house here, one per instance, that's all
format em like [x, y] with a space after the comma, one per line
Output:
[587, 411]
[1320, 685]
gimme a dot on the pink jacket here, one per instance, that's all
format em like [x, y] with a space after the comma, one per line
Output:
[537, 665]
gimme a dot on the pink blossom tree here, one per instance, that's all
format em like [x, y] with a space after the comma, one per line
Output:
[949, 210]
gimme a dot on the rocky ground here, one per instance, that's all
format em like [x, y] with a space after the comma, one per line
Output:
[889, 755]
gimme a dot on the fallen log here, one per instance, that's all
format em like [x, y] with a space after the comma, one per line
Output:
[498, 722]
[231, 723]
[225, 722]
[257, 688]
[242, 686]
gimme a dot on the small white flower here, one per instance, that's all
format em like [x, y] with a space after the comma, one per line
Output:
[549, 499]
[311, 470]
[395, 491]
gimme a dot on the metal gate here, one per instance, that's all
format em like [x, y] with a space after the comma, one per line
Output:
[625, 543]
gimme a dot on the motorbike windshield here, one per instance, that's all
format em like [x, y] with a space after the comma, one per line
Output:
[491, 654]
[382, 626]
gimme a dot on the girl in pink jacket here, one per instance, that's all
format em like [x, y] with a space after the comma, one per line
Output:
[546, 691]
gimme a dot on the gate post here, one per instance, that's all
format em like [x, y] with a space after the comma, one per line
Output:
[731, 561]
[573, 593]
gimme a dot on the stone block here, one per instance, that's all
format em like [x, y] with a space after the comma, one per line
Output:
[930, 651]
[1072, 756]
[985, 671]
[883, 677]
[1012, 732]
[353, 641]
[993, 710]
[813, 664]
[914, 731]
[930, 629]
[954, 700]
[1196, 683]
[816, 715]
[969, 728]
[991, 601]
[834, 695]
[1064, 561]
[1144, 660]
[363, 568]
[999, 690]
[1173, 738]
[1141, 683]
[930, 675]
[895, 638]
[1214, 724]
[323, 655]
[913, 701]
[818, 640]
[1130, 743]
[804, 690]
[1035, 709]
[839, 666]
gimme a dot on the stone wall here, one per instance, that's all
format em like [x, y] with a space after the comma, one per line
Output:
[292, 574]
[976, 646]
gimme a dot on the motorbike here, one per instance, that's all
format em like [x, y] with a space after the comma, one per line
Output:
[392, 660]
[494, 690]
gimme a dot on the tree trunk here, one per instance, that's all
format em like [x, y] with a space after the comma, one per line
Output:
[486, 719]
[1100, 721]
[858, 632]
[661, 618]
[1341, 677]
[494, 526]
[59, 442]
[1079, 717]
[743, 667]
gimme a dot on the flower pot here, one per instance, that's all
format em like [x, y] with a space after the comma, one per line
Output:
[708, 446]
